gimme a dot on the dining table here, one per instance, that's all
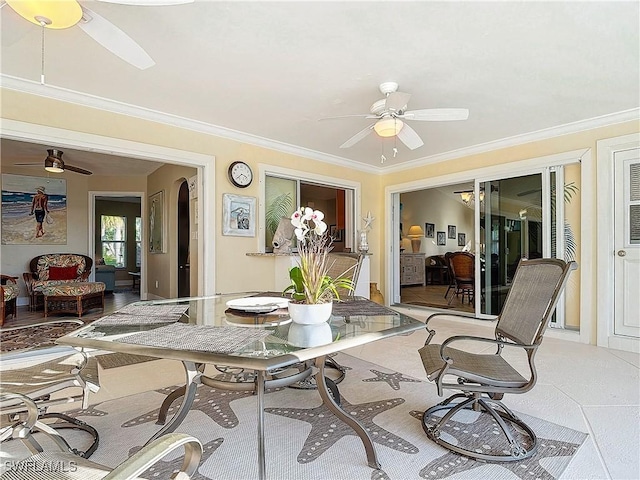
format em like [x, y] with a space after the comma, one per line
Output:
[249, 332]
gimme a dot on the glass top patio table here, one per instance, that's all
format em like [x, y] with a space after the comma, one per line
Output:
[205, 330]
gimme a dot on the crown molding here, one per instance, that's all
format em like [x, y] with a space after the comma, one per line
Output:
[92, 101]
[544, 134]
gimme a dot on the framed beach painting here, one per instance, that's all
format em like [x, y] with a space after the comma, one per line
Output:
[156, 222]
[34, 210]
[238, 215]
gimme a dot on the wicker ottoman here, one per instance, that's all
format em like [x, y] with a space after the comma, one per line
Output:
[73, 297]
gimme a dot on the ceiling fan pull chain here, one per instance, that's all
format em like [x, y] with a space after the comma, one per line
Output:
[44, 21]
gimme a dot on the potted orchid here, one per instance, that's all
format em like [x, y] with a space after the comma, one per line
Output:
[310, 284]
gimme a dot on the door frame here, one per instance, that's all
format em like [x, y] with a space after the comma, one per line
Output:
[515, 168]
[63, 138]
[93, 194]
[605, 300]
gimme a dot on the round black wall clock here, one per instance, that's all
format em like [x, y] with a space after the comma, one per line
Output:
[240, 174]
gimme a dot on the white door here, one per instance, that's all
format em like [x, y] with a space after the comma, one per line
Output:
[627, 242]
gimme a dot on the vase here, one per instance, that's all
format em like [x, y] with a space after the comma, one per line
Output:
[363, 246]
[310, 314]
[374, 294]
[309, 335]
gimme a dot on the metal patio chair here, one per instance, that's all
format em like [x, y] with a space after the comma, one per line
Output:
[67, 465]
[48, 377]
[483, 378]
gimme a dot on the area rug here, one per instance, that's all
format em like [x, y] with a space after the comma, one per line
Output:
[36, 336]
[305, 441]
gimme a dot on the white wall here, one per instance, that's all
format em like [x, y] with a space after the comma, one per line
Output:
[434, 206]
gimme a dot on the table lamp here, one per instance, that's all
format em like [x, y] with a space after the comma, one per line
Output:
[415, 234]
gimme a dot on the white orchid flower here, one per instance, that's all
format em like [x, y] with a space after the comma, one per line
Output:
[320, 228]
[296, 218]
[317, 216]
[300, 233]
[308, 214]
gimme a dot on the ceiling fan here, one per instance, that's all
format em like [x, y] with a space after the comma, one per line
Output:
[54, 163]
[67, 13]
[391, 117]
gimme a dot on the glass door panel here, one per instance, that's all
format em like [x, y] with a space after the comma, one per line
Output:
[510, 228]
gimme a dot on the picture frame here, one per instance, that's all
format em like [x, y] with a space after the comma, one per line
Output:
[442, 238]
[335, 233]
[34, 210]
[462, 239]
[451, 229]
[429, 230]
[238, 215]
[156, 223]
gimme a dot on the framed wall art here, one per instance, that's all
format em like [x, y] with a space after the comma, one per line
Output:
[462, 239]
[34, 210]
[156, 222]
[429, 230]
[452, 231]
[442, 238]
[238, 215]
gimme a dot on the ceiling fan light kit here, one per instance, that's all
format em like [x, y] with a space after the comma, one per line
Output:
[55, 14]
[388, 127]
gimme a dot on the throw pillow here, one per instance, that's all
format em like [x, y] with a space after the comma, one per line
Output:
[63, 273]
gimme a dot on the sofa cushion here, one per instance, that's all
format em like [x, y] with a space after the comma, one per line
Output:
[63, 273]
[72, 289]
[46, 261]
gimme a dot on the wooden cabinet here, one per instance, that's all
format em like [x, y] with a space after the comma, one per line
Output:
[412, 269]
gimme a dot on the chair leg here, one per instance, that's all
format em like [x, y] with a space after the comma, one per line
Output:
[517, 437]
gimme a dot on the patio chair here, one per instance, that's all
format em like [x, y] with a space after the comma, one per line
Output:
[345, 265]
[67, 465]
[484, 378]
[49, 377]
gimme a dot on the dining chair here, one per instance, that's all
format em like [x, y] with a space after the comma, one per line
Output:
[482, 375]
[463, 272]
[347, 265]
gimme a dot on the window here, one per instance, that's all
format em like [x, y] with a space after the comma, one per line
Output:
[114, 240]
[138, 240]
[284, 193]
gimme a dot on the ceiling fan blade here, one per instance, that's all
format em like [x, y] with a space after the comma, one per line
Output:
[436, 114]
[363, 115]
[358, 136]
[115, 40]
[29, 164]
[71, 168]
[149, 3]
[396, 101]
[409, 137]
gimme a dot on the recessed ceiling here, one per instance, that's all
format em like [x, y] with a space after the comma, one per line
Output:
[268, 71]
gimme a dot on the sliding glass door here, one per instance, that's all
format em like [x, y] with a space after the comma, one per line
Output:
[510, 228]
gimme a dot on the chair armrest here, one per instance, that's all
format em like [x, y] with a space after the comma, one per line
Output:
[150, 454]
[8, 278]
[28, 280]
[85, 276]
[493, 341]
[441, 314]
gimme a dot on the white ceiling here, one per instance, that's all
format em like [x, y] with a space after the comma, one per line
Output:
[266, 72]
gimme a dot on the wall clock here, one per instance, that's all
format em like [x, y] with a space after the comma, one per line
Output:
[240, 174]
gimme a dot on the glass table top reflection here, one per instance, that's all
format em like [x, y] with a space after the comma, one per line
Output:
[249, 329]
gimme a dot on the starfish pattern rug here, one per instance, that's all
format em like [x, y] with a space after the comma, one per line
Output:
[304, 440]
